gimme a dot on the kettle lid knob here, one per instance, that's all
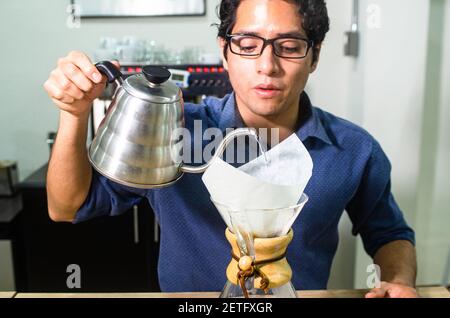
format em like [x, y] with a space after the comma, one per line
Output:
[156, 74]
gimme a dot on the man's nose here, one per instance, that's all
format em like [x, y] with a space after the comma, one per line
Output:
[267, 63]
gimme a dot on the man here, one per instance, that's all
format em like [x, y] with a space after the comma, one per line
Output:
[269, 49]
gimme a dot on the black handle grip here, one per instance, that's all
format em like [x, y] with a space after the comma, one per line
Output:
[156, 74]
[109, 69]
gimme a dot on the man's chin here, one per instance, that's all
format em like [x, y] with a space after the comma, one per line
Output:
[266, 110]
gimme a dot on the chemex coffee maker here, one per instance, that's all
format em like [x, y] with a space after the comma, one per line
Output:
[259, 239]
[259, 203]
[135, 143]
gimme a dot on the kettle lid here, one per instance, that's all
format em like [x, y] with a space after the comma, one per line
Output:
[152, 85]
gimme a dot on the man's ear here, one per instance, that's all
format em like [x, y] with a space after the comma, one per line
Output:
[222, 43]
[317, 48]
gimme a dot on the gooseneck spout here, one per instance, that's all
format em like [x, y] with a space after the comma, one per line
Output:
[221, 148]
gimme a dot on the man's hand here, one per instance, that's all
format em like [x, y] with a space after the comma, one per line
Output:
[75, 83]
[391, 290]
[397, 261]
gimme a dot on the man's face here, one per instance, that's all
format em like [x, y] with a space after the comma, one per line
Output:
[268, 19]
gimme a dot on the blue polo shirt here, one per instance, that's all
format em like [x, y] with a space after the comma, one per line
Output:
[351, 173]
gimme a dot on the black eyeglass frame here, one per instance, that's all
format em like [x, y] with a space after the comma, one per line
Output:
[267, 42]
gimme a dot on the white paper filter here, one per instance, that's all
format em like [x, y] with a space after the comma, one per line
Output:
[259, 186]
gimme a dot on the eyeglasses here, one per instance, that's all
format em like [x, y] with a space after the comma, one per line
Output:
[253, 45]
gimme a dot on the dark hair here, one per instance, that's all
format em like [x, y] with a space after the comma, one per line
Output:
[314, 14]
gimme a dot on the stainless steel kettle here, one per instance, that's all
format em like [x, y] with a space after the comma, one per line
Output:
[134, 144]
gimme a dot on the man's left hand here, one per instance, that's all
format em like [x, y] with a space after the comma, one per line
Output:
[392, 290]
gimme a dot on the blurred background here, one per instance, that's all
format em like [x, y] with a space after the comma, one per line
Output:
[385, 65]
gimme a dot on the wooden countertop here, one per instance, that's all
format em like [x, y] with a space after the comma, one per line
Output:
[9, 294]
[425, 292]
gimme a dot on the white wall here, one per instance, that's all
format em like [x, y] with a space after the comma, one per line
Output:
[433, 201]
[393, 66]
[382, 91]
[406, 107]
[329, 86]
[329, 89]
[441, 198]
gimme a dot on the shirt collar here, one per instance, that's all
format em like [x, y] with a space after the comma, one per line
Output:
[230, 117]
[310, 125]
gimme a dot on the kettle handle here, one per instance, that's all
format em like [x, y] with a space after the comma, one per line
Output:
[246, 131]
[110, 71]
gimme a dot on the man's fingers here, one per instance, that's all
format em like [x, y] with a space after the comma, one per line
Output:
[56, 92]
[76, 76]
[83, 62]
[376, 293]
[66, 85]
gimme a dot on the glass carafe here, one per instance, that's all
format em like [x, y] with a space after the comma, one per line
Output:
[259, 239]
